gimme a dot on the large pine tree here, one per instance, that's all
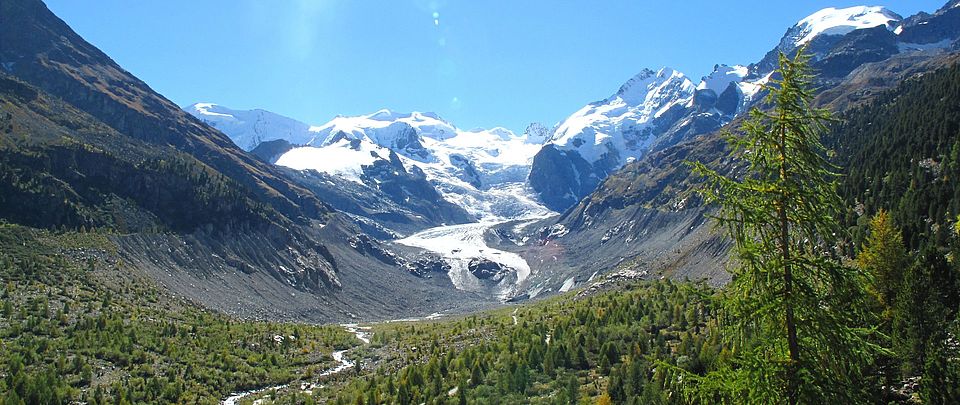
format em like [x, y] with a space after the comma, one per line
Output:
[793, 313]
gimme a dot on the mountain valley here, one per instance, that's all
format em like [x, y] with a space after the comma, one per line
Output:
[203, 254]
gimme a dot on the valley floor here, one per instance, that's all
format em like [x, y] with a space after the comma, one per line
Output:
[568, 349]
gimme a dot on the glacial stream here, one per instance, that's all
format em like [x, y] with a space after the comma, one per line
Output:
[362, 333]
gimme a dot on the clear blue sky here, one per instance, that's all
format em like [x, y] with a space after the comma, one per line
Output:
[476, 63]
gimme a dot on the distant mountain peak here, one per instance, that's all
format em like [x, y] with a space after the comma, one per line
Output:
[722, 76]
[537, 133]
[642, 83]
[249, 128]
[390, 115]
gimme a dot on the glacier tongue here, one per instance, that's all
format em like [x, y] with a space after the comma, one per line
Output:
[461, 245]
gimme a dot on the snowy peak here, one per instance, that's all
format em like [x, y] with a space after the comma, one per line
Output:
[638, 80]
[248, 128]
[649, 85]
[621, 124]
[838, 21]
[721, 77]
[482, 170]
[399, 131]
[536, 133]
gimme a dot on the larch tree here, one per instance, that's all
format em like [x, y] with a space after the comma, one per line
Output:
[793, 314]
[885, 258]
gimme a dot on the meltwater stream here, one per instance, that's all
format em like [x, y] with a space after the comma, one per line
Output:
[362, 333]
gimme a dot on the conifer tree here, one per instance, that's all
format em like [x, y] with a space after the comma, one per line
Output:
[920, 316]
[793, 312]
[885, 258]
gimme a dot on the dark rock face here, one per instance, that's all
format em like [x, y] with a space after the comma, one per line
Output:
[855, 49]
[728, 103]
[411, 189]
[423, 265]
[270, 151]
[704, 100]
[369, 246]
[466, 170]
[409, 143]
[925, 28]
[426, 264]
[488, 270]
[561, 177]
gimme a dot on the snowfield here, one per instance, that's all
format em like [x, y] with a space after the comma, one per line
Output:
[337, 159]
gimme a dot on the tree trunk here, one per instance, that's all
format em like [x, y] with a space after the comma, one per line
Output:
[793, 384]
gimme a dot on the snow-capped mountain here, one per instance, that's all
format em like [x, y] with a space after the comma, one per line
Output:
[249, 128]
[651, 110]
[655, 110]
[481, 170]
[838, 39]
[614, 129]
[837, 22]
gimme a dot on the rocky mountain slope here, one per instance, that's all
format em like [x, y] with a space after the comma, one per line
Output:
[86, 146]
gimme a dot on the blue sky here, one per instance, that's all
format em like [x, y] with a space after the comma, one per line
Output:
[476, 63]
